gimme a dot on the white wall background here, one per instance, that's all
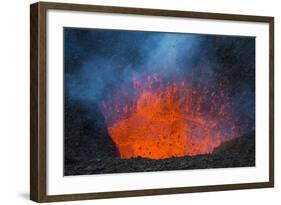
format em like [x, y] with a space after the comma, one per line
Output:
[14, 103]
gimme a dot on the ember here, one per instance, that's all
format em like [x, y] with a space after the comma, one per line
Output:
[169, 118]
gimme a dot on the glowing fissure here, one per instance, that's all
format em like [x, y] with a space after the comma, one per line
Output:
[163, 119]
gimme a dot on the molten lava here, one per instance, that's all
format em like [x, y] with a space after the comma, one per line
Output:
[163, 119]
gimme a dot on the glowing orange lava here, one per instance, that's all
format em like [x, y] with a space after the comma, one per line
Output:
[167, 119]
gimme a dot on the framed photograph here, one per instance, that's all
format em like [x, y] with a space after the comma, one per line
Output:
[134, 102]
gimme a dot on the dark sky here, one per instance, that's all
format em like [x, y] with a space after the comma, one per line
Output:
[96, 61]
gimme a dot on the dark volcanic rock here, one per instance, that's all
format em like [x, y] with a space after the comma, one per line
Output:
[239, 152]
[243, 144]
[85, 138]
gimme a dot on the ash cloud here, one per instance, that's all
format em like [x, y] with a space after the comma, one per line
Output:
[97, 61]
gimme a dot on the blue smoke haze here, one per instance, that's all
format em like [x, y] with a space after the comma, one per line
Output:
[107, 58]
[96, 61]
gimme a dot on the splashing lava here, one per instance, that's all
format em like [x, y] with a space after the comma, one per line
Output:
[169, 118]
